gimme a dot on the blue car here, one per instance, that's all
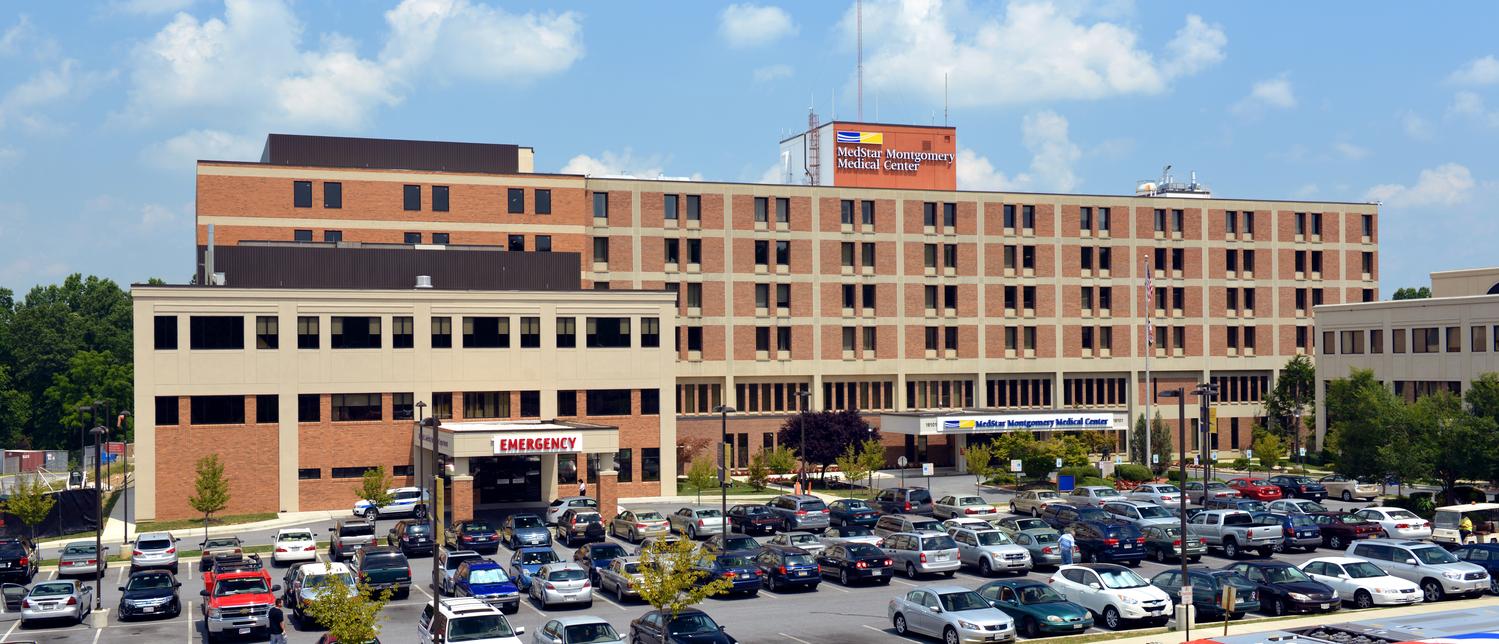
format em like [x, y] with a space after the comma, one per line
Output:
[519, 530]
[1109, 541]
[740, 570]
[1297, 530]
[526, 561]
[852, 512]
[788, 567]
[1060, 516]
[485, 580]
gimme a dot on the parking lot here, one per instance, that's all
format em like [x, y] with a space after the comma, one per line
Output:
[832, 613]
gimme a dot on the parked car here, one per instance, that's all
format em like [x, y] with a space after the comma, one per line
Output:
[525, 562]
[19, 560]
[1061, 516]
[580, 526]
[486, 581]
[478, 536]
[303, 582]
[635, 526]
[79, 558]
[152, 550]
[971, 524]
[739, 570]
[800, 511]
[558, 506]
[852, 562]
[990, 551]
[584, 629]
[1257, 489]
[1042, 544]
[1093, 495]
[1038, 610]
[349, 535]
[411, 537]
[292, 545]
[731, 544]
[843, 512]
[465, 619]
[622, 577]
[1296, 530]
[214, 548]
[696, 523]
[404, 501]
[1141, 514]
[1032, 502]
[753, 518]
[1361, 582]
[520, 530]
[893, 523]
[1295, 506]
[150, 593]
[595, 556]
[1165, 543]
[1397, 523]
[1430, 566]
[690, 625]
[849, 534]
[61, 599]
[1483, 555]
[384, 568]
[904, 500]
[1342, 528]
[921, 553]
[1237, 503]
[1348, 489]
[952, 613]
[448, 560]
[1113, 593]
[1234, 531]
[1283, 588]
[1296, 486]
[236, 598]
[1199, 493]
[1208, 588]
[562, 583]
[670, 537]
[1165, 495]
[798, 539]
[972, 507]
[1109, 541]
[787, 567]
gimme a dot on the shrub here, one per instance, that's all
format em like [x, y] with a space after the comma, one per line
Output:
[1095, 480]
[1133, 472]
[1002, 478]
[1240, 464]
[1421, 505]
[1079, 473]
[1175, 476]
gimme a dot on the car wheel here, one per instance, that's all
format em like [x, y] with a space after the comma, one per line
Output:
[1362, 599]
[1277, 606]
[900, 624]
[371, 514]
[1196, 559]
[949, 574]
[692, 533]
[1158, 556]
[1335, 542]
[420, 512]
[1278, 547]
[1230, 549]
[770, 583]
[1493, 584]
[985, 569]
[1134, 563]
[1431, 590]
[1035, 513]
[843, 577]
[1266, 552]
[1347, 496]
[1029, 628]
[1013, 509]
[1111, 618]
[910, 570]
[1311, 549]
[949, 636]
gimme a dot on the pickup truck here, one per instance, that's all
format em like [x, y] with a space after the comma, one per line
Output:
[237, 597]
[1233, 531]
[349, 535]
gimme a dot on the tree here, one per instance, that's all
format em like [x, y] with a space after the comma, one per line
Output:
[1137, 442]
[211, 489]
[350, 613]
[1459, 444]
[690, 447]
[1295, 391]
[702, 473]
[1267, 447]
[30, 501]
[669, 579]
[1412, 293]
[1160, 444]
[1482, 396]
[827, 433]
[759, 473]
[850, 463]
[1365, 416]
[980, 461]
[374, 487]
[780, 460]
[872, 457]
[1099, 442]
[15, 409]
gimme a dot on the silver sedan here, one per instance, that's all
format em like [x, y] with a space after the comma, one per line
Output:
[1165, 495]
[561, 583]
[66, 599]
[798, 539]
[955, 614]
[1032, 502]
[80, 558]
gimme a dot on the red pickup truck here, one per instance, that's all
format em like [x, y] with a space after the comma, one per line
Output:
[237, 598]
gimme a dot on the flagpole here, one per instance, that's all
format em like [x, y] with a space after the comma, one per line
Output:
[1149, 349]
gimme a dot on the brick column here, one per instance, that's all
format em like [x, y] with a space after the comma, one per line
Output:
[461, 498]
[607, 492]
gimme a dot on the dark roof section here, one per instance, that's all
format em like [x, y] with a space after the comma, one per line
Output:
[325, 266]
[390, 154]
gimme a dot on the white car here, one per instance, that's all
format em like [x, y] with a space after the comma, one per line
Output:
[973, 507]
[1398, 523]
[404, 501]
[1113, 593]
[294, 544]
[1295, 506]
[1347, 489]
[1093, 495]
[1141, 514]
[798, 539]
[990, 551]
[972, 524]
[559, 506]
[1362, 582]
[465, 619]
[1165, 495]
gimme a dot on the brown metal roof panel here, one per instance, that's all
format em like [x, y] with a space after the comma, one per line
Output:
[390, 154]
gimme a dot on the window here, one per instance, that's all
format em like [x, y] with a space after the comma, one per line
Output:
[1178, 221]
[950, 338]
[783, 210]
[567, 403]
[301, 194]
[762, 252]
[515, 200]
[608, 333]
[1086, 259]
[1479, 341]
[301, 235]
[694, 208]
[543, 201]
[167, 411]
[1085, 219]
[356, 332]
[1160, 220]
[1231, 260]
[333, 194]
[850, 296]
[601, 250]
[1009, 216]
[217, 410]
[931, 338]
[402, 406]
[762, 209]
[307, 332]
[929, 296]
[1300, 223]
[350, 472]
[208, 333]
[869, 296]
[929, 214]
[650, 402]
[1368, 225]
[694, 338]
[850, 338]
[650, 464]
[486, 404]
[1028, 257]
[530, 333]
[356, 407]
[165, 328]
[950, 255]
[866, 254]
[1317, 224]
[1399, 341]
[442, 333]
[694, 251]
[567, 333]
[543, 243]
[1105, 223]
[607, 402]
[411, 197]
[1367, 262]
[762, 338]
[1376, 341]
[846, 212]
[440, 198]
[310, 473]
[486, 332]
[517, 243]
[333, 236]
[1248, 261]
[1231, 222]
[871, 338]
[762, 296]
[412, 238]
[783, 296]
[402, 332]
[1105, 259]
[1010, 257]
[650, 332]
[846, 254]
[267, 333]
[866, 212]
[1426, 340]
[929, 255]
[1454, 339]
[601, 205]
[783, 253]
[530, 404]
[783, 338]
[1178, 259]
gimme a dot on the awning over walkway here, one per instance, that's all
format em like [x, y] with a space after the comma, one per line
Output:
[468, 439]
[990, 421]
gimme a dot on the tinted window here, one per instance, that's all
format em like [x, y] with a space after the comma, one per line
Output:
[920, 496]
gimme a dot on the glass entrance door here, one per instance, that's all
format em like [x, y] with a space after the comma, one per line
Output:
[508, 479]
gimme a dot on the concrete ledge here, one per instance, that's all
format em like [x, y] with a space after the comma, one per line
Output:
[1247, 627]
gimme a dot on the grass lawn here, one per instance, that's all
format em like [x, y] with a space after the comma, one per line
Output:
[187, 524]
[739, 488]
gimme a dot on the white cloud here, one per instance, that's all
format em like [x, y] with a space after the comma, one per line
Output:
[621, 164]
[52, 84]
[775, 173]
[772, 72]
[1479, 71]
[1273, 93]
[1053, 155]
[1350, 151]
[748, 25]
[1415, 126]
[148, 7]
[1471, 105]
[1307, 191]
[1032, 52]
[10, 41]
[458, 39]
[9, 155]
[155, 215]
[179, 152]
[1448, 184]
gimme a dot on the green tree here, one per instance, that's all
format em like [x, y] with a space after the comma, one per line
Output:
[1295, 392]
[1412, 293]
[827, 433]
[980, 461]
[30, 501]
[1137, 442]
[872, 457]
[15, 409]
[759, 472]
[1459, 444]
[702, 473]
[1482, 396]
[374, 487]
[851, 464]
[1098, 442]
[350, 613]
[1160, 444]
[211, 489]
[1365, 415]
[669, 579]
[1267, 447]
[780, 460]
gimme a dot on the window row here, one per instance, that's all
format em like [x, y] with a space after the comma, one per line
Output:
[1235, 260]
[939, 394]
[671, 207]
[699, 398]
[863, 395]
[1481, 339]
[1095, 392]
[1087, 222]
[1177, 264]
[772, 397]
[866, 212]
[515, 199]
[762, 339]
[1020, 393]
[369, 407]
[1027, 221]
[1100, 258]
[1241, 389]
[1177, 220]
[316, 473]
[1236, 222]
[333, 194]
[1239, 300]
[1237, 338]
[1301, 258]
[1097, 339]
[941, 338]
[1096, 300]
[859, 296]
[1413, 390]
[1302, 220]
[672, 250]
[225, 332]
[860, 339]
[856, 255]
[929, 212]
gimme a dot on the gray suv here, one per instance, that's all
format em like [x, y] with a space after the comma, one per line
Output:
[904, 500]
[154, 550]
[800, 511]
[922, 553]
[1428, 565]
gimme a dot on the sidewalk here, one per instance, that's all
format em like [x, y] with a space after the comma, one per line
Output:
[1212, 630]
[114, 529]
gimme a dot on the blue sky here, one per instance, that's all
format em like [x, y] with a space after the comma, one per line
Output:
[104, 107]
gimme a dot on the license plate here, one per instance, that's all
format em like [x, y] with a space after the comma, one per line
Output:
[802, 573]
[149, 609]
[1077, 626]
[244, 631]
[1326, 606]
[1129, 547]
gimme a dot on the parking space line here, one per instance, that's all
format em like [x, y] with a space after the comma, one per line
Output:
[422, 590]
[97, 633]
[879, 630]
[8, 631]
[120, 578]
[828, 584]
[601, 595]
[189, 615]
[794, 639]
[527, 604]
[903, 582]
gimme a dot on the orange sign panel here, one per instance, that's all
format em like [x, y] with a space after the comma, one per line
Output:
[869, 155]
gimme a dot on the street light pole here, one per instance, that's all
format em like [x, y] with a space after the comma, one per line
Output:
[82, 445]
[1180, 394]
[421, 423]
[125, 471]
[723, 465]
[805, 396]
[99, 433]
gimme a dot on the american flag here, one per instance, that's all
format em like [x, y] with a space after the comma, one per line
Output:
[1149, 308]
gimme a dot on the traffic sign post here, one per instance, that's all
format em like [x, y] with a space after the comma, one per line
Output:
[902, 462]
[1017, 465]
[927, 470]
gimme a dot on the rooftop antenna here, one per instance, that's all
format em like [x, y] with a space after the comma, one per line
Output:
[944, 99]
[859, 20]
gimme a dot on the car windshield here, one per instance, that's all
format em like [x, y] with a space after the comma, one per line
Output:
[355, 530]
[855, 531]
[1302, 480]
[1434, 555]
[567, 574]
[794, 539]
[587, 517]
[1284, 574]
[741, 543]
[1401, 514]
[313, 581]
[972, 500]
[1154, 512]
[294, 536]
[1217, 485]
[477, 528]
[854, 504]
[632, 567]
[864, 550]
[1044, 538]
[1352, 518]
[1363, 570]
[588, 633]
[12, 549]
[692, 623]
[798, 559]
[52, 590]
[647, 516]
[478, 627]
[926, 525]
[1121, 578]
[921, 496]
[488, 576]
[734, 561]
[708, 513]
[992, 538]
[1030, 524]
[1311, 506]
[528, 557]
[418, 528]
[1167, 489]
[1093, 514]
[943, 542]
[1251, 506]
[1170, 531]
[219, 543]
[239, 586]
[755, 509]
[79, 549]
[813, 506]
[149, 582]
[966, 600]
[527, 522]
[383, 561]
[1040, 594]
[451, 563]
[1302, 520]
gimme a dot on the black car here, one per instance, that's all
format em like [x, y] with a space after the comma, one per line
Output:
[478, 536]
[412, 536]
[1060, 516]
[788, 567]
[18, 560]
[1208, 590]
[1109, 542]
[1299, 487]
[384, 568]
[690, 626]
[594, 557]
[1283, 588]
[754, 519]
[851, 562]
[150, 593]
[1484, 555]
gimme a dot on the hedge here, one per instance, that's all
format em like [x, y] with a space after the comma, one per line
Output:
[1081, 472]
[1133, 472]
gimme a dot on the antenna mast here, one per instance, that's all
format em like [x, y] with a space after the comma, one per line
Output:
[814, 149]
[859, 20]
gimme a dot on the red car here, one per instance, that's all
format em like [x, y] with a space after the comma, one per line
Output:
[1342, 528]
[1257, 489]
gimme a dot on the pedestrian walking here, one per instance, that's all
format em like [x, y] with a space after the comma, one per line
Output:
[582, 487]
[274, 620]
[1066, 544]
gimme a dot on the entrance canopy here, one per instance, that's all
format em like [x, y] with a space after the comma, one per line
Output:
[993, 421]
[521, 437]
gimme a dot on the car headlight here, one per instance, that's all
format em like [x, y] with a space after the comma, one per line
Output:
[1127, 599]
[1300, 597]
[968, 625]
[214, 613]
[1053, 619]
[1454, 576]
[1335, 595]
